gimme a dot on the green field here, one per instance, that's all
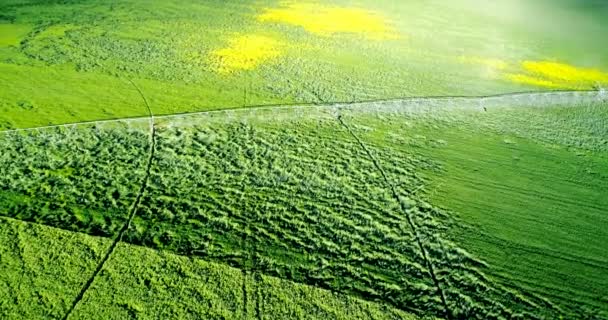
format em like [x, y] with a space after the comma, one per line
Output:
[531, 203]
[44, 269]
[303, 160]
[73, 61]
[388, 202]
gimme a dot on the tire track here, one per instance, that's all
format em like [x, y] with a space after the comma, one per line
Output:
[599, 97]
[408, 217]
[244, 297]
[257, 278]
[132, 210]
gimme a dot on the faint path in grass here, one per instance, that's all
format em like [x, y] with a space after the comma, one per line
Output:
[529, 98]
[132, 210]
[408, 217]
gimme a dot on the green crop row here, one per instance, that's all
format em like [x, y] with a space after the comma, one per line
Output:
[525, 188]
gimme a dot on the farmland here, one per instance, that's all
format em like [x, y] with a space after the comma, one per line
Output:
[303, 160]
[337, 200]
[50, 266]
[60, 67]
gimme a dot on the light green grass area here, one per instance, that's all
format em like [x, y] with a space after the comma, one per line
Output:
[33, 96]
[42, 269]
[12, 34]
[527, 187]
[70, 62]
[142, 283]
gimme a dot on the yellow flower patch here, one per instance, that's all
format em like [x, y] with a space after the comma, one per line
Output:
[558, 75]
[329, 20]
[546, 74]
[565, 73]
[245, 52]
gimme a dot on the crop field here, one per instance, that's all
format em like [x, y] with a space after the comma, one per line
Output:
[369, 200]
[48, 266]
[71, 61]
[303, 159]
[540, 231]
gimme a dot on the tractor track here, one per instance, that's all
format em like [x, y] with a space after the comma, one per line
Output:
[132, 210]
[601, 97]
[410, 221]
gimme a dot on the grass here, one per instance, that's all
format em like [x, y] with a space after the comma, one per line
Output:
[374, 204]
[43, 268]
[83, 179]
[457, 208]
[35, 96]
[527, 189]
[58, 67]
[45, 96]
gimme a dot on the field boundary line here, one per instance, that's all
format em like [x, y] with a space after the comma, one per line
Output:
[132, 210]
[601, 94]
[408, 217]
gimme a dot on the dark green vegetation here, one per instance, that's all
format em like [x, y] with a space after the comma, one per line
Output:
[70, 61]
[394, 202]
[76, 178]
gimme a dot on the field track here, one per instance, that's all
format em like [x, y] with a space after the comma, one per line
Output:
[528, 99]
[133, 209]
[419, 241]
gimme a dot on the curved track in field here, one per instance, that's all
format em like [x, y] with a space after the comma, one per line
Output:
[527, 98]
[132, 210]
